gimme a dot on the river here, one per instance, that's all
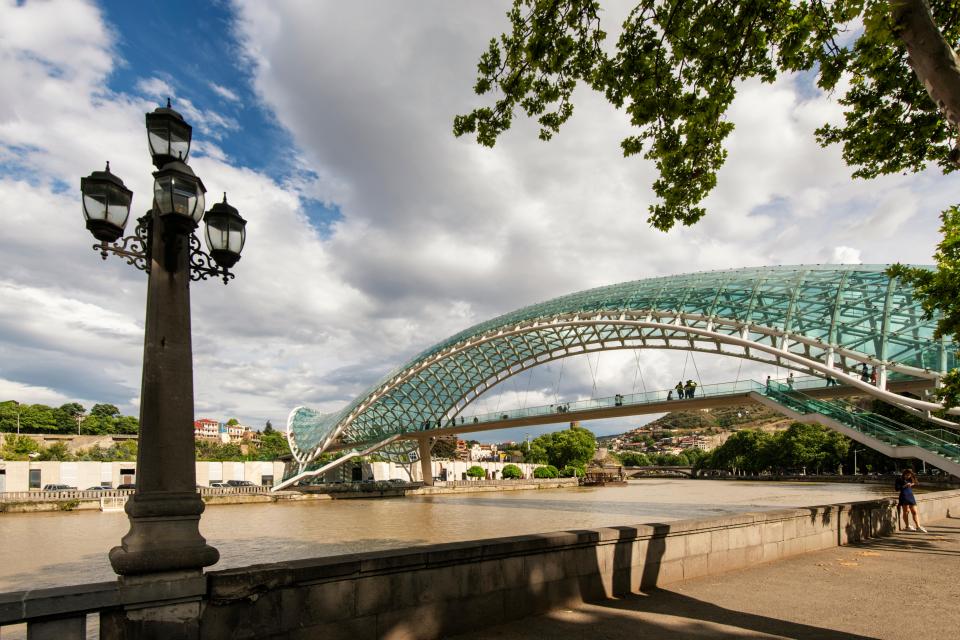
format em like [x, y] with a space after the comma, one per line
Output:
[54, 549]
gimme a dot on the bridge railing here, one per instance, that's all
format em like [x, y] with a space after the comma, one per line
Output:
[939, 441]
[647, 397]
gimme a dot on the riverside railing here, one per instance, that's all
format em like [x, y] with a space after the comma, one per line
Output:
[501, 483]
[56, 496]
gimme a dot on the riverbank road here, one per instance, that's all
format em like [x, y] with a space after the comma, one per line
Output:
[904, 586]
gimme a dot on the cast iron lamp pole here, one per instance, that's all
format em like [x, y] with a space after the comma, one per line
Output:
[165, 510]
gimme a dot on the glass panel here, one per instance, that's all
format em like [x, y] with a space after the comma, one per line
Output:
[235, 243]
[119, 207]
[179, 148]
[161, 194]
[199, 204]
[95, 206]
[117, 213]
[157, 139]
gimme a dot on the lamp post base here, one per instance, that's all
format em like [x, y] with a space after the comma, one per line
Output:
[164, 535]
[175, 614]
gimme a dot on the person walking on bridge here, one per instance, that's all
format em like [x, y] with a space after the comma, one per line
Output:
[906, 502]
[679, 389]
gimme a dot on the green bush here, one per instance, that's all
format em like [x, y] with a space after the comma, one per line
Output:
[571, 471]
[476, 472]
[512, 471]
[547, 471]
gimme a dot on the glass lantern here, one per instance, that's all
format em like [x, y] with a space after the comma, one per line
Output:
[226, 233]
[168, 135]
[178, 196]
[106, 204]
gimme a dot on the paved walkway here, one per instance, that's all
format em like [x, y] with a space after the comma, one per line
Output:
[906, 586]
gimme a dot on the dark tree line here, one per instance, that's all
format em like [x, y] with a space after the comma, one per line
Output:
[67, 418]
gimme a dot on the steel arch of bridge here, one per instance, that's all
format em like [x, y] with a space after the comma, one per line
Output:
[811, 318]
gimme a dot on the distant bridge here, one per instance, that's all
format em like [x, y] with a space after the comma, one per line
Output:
[658, 470]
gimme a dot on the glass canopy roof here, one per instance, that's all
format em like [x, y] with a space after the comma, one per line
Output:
[797, 316]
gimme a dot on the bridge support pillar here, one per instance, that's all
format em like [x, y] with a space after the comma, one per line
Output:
[426, 462]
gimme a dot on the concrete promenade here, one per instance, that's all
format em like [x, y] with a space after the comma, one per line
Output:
[904, 586]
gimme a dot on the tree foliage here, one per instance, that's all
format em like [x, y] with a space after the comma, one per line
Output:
[570, 447]
[800, 446]
[939, 292]
[512, 472]
[273, 445]
[476, 471]
[40, 418]
[548, 471]
[675, 68]
[18, 447]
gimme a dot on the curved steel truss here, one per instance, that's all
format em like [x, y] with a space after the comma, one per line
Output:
[820, 320]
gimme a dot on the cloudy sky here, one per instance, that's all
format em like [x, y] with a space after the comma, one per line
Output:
[372, 232]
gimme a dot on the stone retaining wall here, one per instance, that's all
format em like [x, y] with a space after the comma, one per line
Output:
[429, 591]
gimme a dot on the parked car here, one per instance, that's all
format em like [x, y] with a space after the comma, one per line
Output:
[218, 485]
[58, 487]
[240, 483]
[126, 485]
[97, 488]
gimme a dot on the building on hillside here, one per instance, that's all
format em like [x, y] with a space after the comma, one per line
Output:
[206, 429]
[484, 453]
[462, 453]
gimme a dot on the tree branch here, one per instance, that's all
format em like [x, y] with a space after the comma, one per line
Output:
[930, 55]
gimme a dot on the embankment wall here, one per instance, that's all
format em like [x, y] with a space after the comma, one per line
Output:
[431, 591]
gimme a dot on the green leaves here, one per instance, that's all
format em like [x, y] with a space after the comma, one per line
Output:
[574, 446]
[801, 445]
[675, 69]
[939, 292]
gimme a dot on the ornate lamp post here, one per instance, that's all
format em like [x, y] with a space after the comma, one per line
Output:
[165, 510]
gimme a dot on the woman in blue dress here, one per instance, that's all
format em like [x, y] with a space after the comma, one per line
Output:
[907, 502]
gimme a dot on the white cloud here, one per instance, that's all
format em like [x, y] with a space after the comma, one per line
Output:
[156, 88]
[224, 92]
[845, 255]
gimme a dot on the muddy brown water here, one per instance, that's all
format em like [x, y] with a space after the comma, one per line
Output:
[53, 549]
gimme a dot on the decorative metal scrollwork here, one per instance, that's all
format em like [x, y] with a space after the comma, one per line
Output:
[134, 249]
[203, 266]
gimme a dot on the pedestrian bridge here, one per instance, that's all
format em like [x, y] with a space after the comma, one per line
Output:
[826, 321]
[657, 469]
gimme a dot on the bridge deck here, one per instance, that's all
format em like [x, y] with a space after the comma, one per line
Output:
[601, 410]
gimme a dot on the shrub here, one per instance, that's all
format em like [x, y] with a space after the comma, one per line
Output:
[548, 471]
[512, 471]
[571, 471]
[476, 472]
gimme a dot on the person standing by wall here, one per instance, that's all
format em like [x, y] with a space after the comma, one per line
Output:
[907, 502]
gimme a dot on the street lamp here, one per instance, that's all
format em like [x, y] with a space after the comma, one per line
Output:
[165, 510]
[855, 450]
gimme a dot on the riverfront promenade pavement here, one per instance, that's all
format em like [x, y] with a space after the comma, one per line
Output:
[904, 586]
